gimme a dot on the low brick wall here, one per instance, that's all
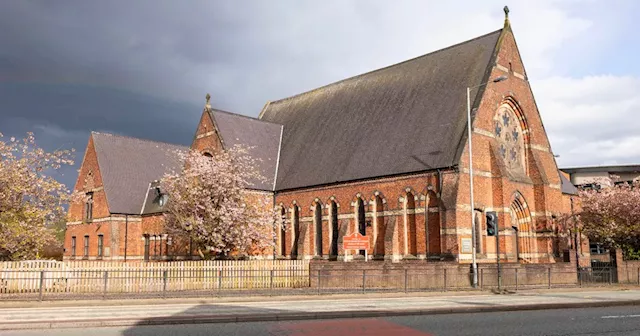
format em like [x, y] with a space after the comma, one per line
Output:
[423, 275]
[628, 270]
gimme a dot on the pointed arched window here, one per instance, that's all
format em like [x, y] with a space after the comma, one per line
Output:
[318, 225]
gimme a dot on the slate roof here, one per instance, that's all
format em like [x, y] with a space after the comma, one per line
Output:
[566, 186]
[128, 165]
[404, 118]
[262, 138]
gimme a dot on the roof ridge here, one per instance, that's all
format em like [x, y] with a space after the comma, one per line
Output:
[388, 66]
[245, 116]
[140, 139]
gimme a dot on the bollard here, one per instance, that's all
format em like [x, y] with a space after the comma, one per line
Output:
[41, 285]
[104, 289]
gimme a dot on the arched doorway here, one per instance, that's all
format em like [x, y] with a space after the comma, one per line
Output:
[525, 239]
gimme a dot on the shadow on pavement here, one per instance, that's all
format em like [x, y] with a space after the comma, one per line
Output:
[220, 318]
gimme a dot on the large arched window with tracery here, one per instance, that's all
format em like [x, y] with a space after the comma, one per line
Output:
[508, 131]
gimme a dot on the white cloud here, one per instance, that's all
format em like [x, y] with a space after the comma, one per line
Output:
[591, 120]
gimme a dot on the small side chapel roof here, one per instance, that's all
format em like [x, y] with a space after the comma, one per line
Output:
[127, 166]
[262, 138]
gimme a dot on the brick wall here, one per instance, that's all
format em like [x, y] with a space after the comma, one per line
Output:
[443, 275]
[384, 201]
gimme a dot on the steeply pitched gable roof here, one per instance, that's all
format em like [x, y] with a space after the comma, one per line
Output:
[262, 138]
[404, 118]
[128, 165]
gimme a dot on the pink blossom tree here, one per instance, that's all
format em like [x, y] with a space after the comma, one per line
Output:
[30, 201]
[611, 216]
[209, 203]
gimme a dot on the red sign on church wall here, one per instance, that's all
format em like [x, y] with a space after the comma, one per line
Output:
[355, 241]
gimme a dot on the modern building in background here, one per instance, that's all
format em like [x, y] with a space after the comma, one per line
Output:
[598, 177]
[385, 153]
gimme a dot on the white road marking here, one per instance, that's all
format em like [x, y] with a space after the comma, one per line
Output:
[619, 316]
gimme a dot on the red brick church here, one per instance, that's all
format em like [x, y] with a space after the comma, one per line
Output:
[385, 153]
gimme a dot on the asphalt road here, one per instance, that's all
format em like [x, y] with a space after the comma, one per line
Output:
[613, 321]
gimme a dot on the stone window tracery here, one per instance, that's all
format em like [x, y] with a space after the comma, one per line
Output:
[508, 133]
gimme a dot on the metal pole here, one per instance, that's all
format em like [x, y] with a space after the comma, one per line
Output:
[498, 256]
[575, 235]
[271, 280]
[364, 277]
[104, 290]
[405, 279]
[41, 285]
[445, 280]
[473, 221]
[164, 282]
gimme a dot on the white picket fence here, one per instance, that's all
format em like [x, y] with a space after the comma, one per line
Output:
[118, 277]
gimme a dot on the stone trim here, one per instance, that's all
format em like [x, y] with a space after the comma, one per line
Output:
[502, 68]
[373, 214]
[204, 135]
[518, 75]
[137, 218]
[538, 147]
[153, 237]
[477, 172]
[351, 184]
[483, 132]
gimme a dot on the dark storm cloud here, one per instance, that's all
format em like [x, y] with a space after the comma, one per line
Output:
[142, 68]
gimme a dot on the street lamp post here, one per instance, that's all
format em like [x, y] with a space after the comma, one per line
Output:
[473, 221]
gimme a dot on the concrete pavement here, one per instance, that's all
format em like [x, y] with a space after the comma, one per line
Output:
[215, 311]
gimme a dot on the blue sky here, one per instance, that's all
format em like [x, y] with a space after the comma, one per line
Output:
[142, 68]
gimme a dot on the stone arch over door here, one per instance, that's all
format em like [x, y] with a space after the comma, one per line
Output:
[525, 238]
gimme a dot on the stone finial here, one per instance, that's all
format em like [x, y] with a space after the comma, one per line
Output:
[506, 16]
[208, 98]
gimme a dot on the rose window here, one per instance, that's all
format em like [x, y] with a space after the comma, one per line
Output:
[508, 133]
